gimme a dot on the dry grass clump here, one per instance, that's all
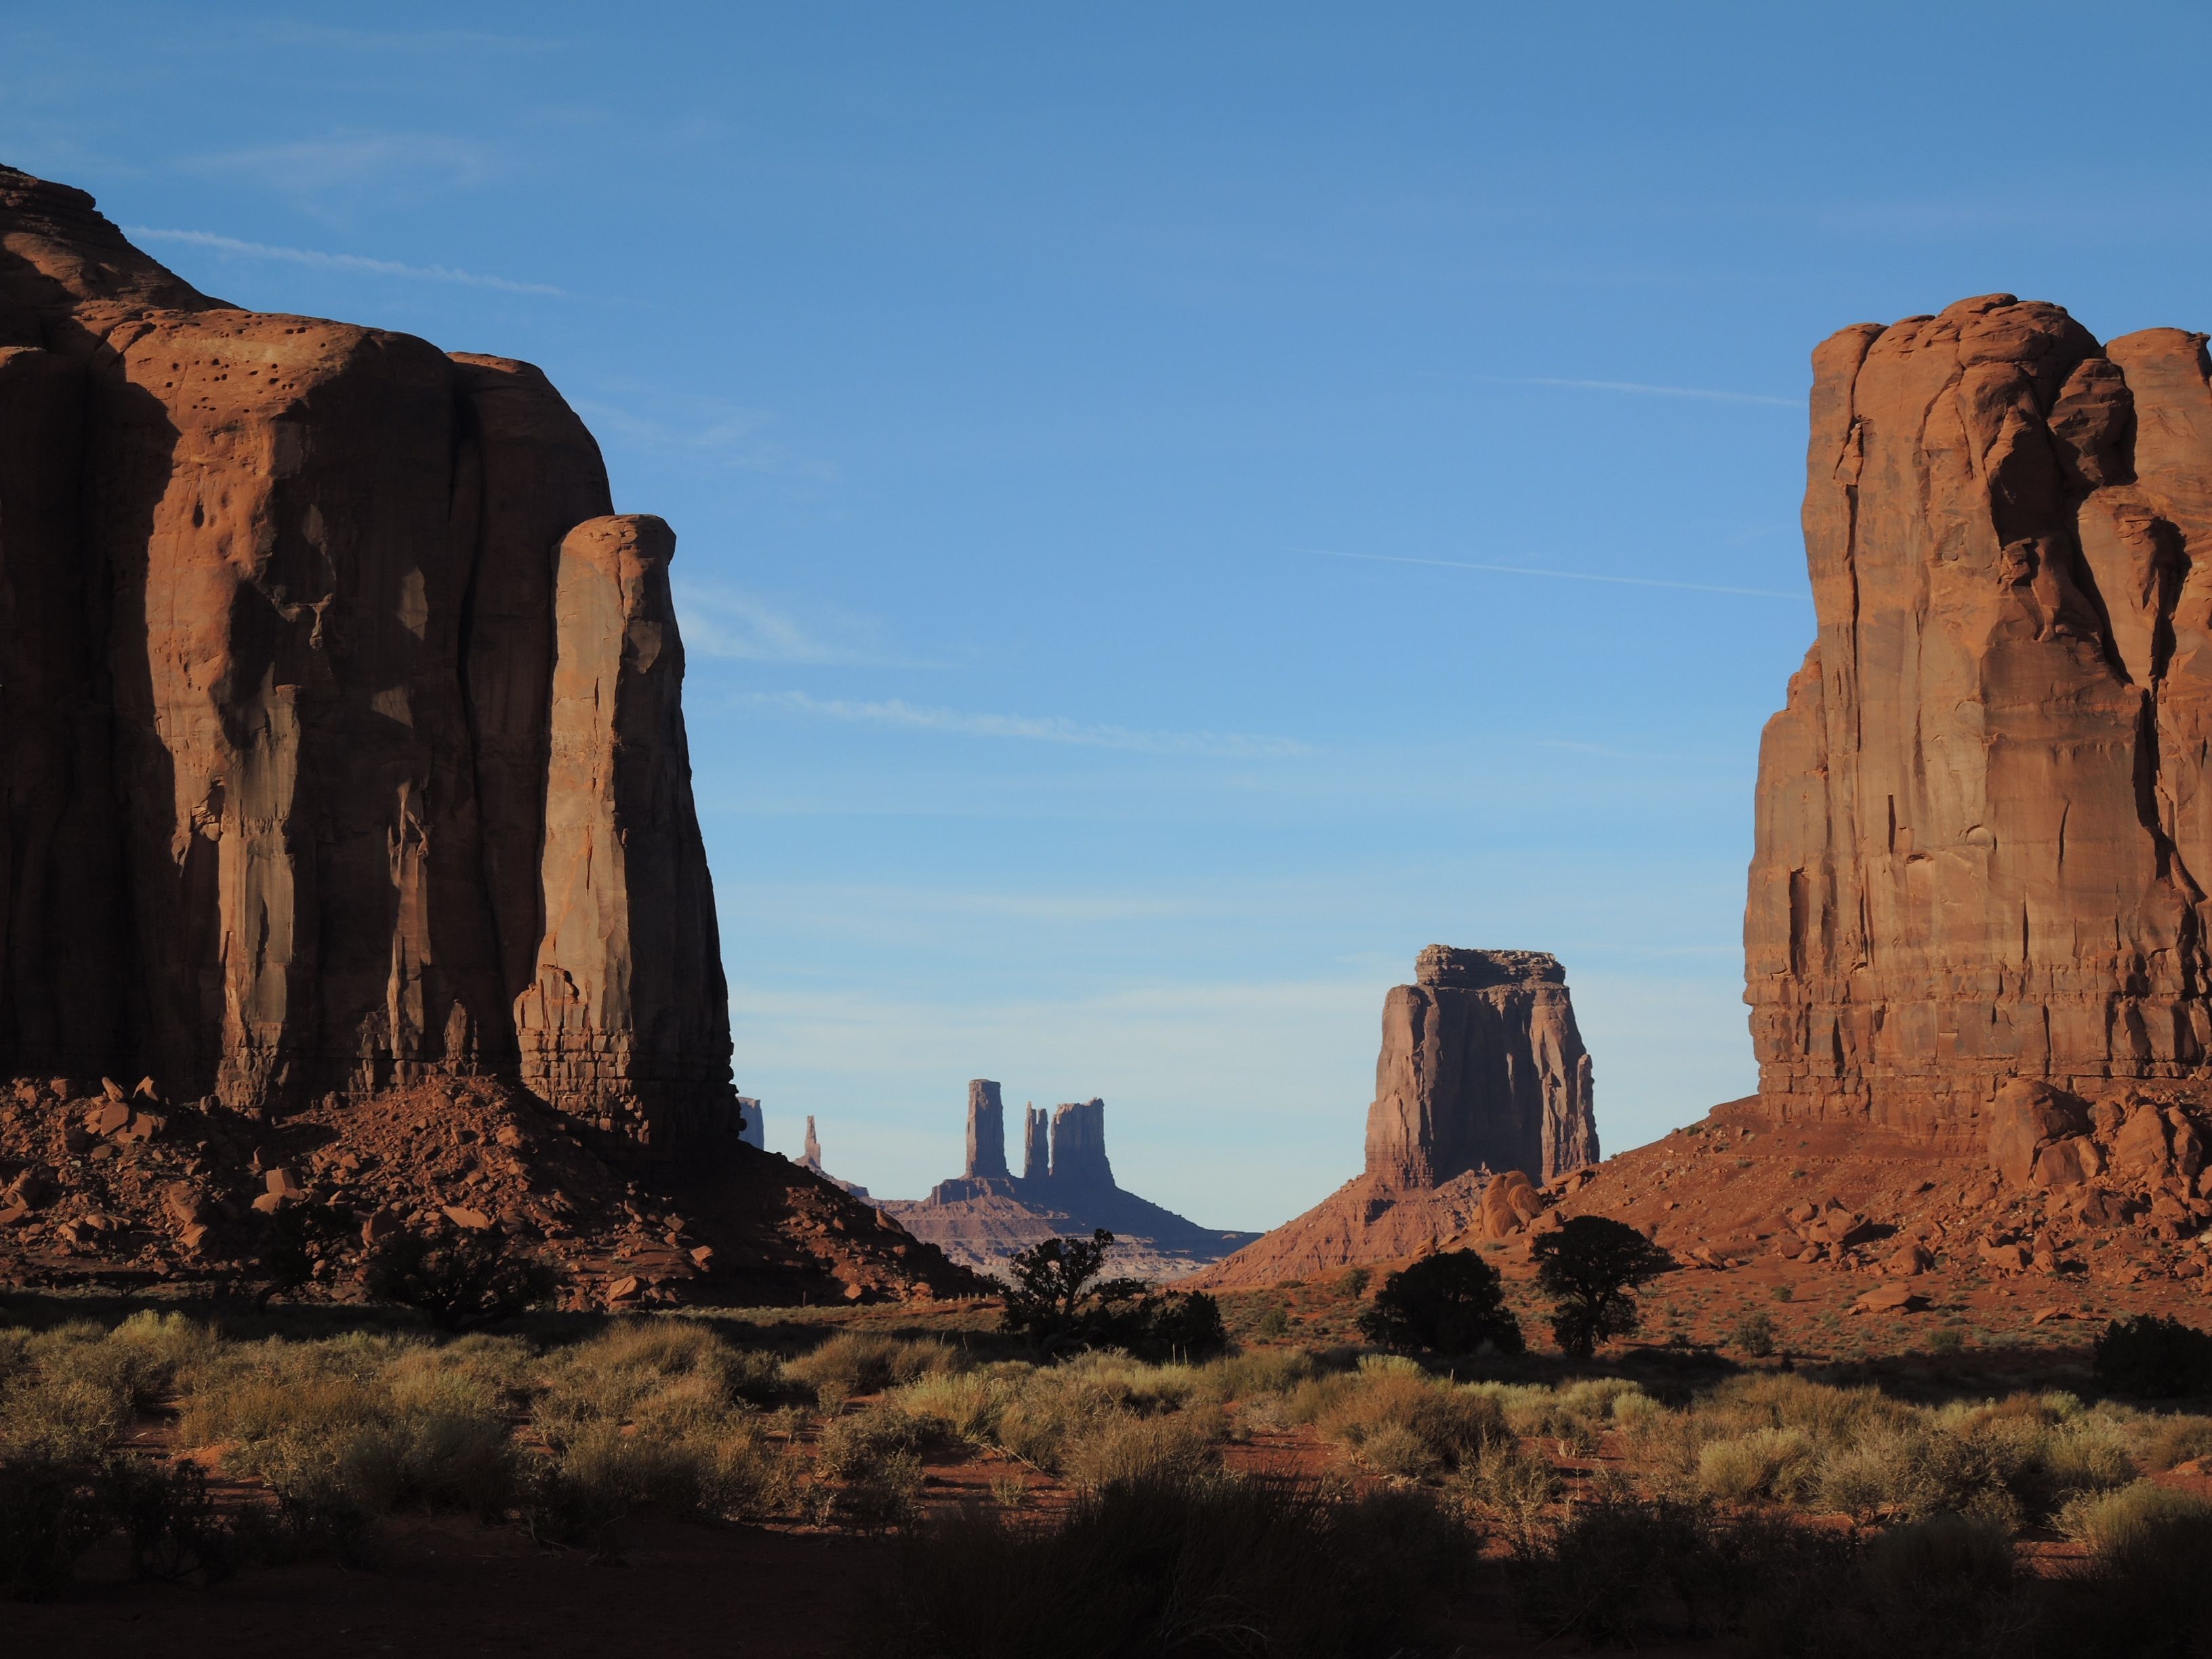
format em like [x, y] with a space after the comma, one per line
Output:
[855, 1363]
[1775, 1463]
[2181, 1438]
[654, 1412]
[2111, 1522]
[1397, 1419]
[1859, 1452]
[365, 1424]
[68, 1393]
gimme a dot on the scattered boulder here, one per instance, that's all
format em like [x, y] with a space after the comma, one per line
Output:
[1510, 1203]
[1890, 1299]
[2070, 1163]
[2025, 1116]
[1909, 1262]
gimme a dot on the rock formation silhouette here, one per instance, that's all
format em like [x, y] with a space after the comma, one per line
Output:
[1067, 1188]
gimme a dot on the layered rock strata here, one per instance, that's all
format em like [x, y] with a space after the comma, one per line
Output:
[339, 713]
[1985, 817]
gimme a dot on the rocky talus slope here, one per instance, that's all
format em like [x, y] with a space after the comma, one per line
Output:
[341, 751]
[1482, 1074]
[1985, 817]
[1067, 1188]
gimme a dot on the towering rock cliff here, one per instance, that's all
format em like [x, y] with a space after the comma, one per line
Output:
[1985, 816]
[339, 713]
[1481, 1067]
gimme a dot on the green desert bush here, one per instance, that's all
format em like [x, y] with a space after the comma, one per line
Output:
[1755, 1333]
[49, 1517]
[869, 1469]
[1453, 1301]
[460, 1281]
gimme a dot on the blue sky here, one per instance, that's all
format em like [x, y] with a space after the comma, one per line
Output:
[1180, 507]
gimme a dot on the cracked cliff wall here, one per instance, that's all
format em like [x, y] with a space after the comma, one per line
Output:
[1982, 818]
[338, 714]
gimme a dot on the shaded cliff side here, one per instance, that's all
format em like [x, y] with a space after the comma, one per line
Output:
[342, 755]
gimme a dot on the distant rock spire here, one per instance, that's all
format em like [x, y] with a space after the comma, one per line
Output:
[1037, 1143]
[987, 1132]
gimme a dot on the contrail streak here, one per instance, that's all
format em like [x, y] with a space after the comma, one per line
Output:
[303, 256]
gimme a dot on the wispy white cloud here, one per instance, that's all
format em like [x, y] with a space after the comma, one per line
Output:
[1028, 728]
[350, 261]
[1560, 575]
[351, 160]
[1637, 388]
[723, 621]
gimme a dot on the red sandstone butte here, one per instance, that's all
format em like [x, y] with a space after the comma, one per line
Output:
[340, 724]
[1482, 1075]
[1983, 818]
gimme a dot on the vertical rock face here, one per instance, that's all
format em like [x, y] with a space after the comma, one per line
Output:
[339, 718]
[1036, 1144]
[1481, 1066]
[1079, 1147]
[628, 1008]
[987, 1132]
[1983, 818]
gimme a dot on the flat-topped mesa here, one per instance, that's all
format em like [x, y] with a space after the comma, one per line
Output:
[341, 741]
[1985, 817]
[1481, 1067]
[1482, 971]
